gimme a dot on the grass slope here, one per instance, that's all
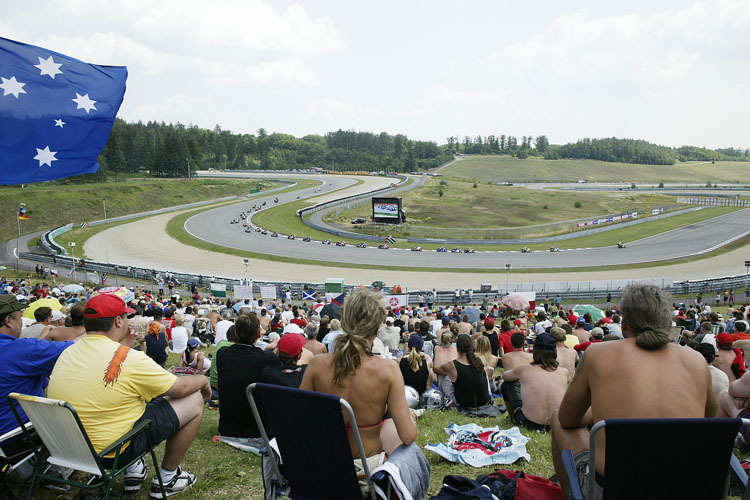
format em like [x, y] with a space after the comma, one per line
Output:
[462, 205]
[510, 169]
[51, 205]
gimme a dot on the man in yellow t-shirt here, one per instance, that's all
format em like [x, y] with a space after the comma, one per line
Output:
[113, 388]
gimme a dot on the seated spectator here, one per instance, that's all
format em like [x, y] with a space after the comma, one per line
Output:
[192, 357]
[567, 358]
[42, 315]
[581, 331]
[289, 373]
[465, 326]
[517, 356]
[241, 364]
[533, 392]
[323, 328]
[69, 332]
[26, 363]
[729, 359]
[180, 334]
[719, 379]
[390, 335]
[430, 341]
[446, 352]
[596, 336]
[312, 344]
[484, 352]
[332, 335]
[214, 370]
[372, 386]
[467, 374]
[155, 343]
[297, 320]
[416, 366]
[110, 405]
[645, 355]
[570, 340]
[615, 327]
[740, 331]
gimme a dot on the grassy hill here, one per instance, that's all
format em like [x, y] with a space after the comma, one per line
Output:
[510, 169]
[50, 205]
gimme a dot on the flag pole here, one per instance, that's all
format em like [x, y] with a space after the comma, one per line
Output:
[18, 235]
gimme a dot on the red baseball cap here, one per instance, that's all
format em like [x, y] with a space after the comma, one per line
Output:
[291, 344]
[106, 306]
[724, 339]
[489, 322]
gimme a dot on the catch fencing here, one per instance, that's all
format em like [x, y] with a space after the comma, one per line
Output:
[714, 201]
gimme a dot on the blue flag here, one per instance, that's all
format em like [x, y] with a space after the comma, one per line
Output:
[308, 295]
[56, 113]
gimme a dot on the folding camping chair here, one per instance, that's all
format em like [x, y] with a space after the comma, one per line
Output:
[10, 463]
[676, 334]
[62, 433]
[311, 435]
[653, 458]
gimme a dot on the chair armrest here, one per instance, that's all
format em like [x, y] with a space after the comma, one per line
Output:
[127, 437]
[15, 432]
[570, 472]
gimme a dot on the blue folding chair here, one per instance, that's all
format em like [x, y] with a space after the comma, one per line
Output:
[685, 458]
[311, 435]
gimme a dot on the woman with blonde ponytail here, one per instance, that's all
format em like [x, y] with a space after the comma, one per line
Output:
[373, 386]
[416, 366]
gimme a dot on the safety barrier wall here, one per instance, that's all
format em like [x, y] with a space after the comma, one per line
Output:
[715, 202]
[570, 292]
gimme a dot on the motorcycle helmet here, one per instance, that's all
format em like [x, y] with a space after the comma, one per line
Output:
[412, 397]
[432, 399]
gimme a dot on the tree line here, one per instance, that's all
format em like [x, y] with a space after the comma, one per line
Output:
[169, 150]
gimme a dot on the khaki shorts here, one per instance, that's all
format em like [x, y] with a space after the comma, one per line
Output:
[373, 463]
[582, 469]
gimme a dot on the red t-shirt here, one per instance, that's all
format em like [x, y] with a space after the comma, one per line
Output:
[299, 322]
[740, 336]
[504, 338]
[169, 323]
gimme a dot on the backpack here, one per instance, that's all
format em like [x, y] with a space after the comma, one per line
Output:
[512, 485]
[463, 488]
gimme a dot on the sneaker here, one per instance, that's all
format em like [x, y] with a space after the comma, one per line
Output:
[180, 482]
[134, 475]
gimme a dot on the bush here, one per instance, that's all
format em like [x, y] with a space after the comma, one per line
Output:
[661, 184]
[708, 184]
[475, 184]
[545, 207]
[440, 193]
[443, 182]
[578, 204]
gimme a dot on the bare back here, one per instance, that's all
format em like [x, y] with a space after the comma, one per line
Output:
[542, 391]
[621, 380]
[444, 354]
[516, 358]
[567, 358]
[723, 362]
[315, 347]
[368, 390]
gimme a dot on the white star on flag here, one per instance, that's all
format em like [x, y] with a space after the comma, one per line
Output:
[12, 86]
[84, 102]
[45, 156]
[59, 123]
[48, 67]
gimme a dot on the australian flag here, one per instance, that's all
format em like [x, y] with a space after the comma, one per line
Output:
[56, 113]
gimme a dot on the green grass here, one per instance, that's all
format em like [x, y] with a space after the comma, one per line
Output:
[507, 168]
[224, 472]
[486, 206]
[50, 205]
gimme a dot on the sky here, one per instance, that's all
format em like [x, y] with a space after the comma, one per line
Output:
[670, 72]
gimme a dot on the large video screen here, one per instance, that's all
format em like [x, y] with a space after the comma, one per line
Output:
[386, 209]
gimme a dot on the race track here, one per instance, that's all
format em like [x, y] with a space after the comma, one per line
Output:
[125, 244]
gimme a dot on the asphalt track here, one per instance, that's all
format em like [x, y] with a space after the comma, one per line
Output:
[693, 240]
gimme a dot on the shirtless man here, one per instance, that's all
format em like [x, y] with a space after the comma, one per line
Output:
[725, 357]
[311, 344]
[644, 356]
[542, 386]
[581, 332]
[566, 357]
[465, 327]
[265, 320]
[517, 356]
[67, 332]
[445, 353]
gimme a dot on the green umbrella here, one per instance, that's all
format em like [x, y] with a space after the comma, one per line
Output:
[596, 313]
